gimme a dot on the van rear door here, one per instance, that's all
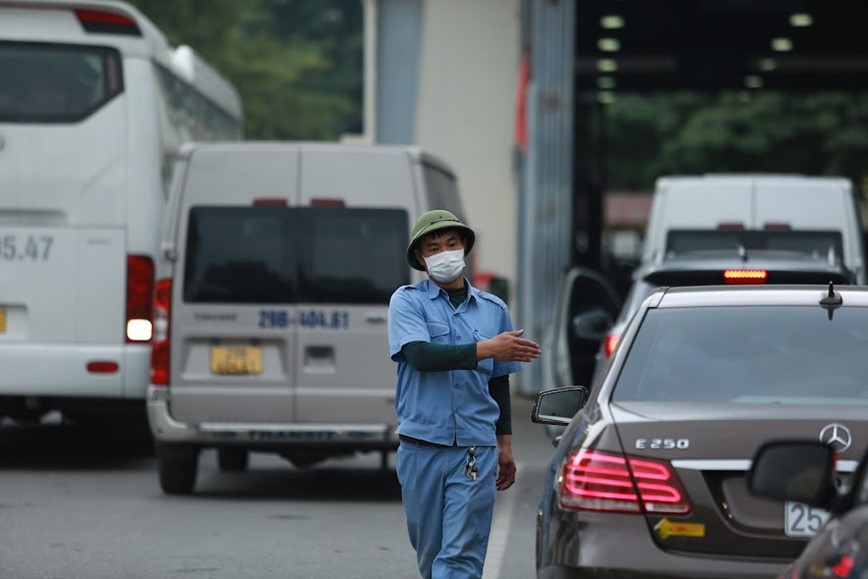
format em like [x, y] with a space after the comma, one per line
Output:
[352, 260]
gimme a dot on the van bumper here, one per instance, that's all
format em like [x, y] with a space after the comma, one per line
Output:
[264, 435]
[60, 370]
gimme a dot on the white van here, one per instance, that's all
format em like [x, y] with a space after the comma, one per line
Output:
[784, 203]
[276, 268]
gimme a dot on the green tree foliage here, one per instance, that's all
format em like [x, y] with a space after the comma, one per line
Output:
[812, 134]
[296, 63]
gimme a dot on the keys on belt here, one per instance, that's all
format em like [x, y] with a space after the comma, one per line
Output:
[470, 469]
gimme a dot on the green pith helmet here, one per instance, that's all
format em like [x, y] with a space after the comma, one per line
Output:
[433, 221]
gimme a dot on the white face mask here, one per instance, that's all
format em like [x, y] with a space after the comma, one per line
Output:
[445, 266]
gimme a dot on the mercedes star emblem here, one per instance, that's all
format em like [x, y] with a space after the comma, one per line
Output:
[837, 436]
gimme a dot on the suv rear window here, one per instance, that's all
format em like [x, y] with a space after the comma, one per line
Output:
[56, 83]
[299, 254]
[748, 354]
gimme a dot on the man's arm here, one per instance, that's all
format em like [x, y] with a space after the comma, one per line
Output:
[499, 389]
[427, 357]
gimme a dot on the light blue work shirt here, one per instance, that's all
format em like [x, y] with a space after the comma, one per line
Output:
[446, 407]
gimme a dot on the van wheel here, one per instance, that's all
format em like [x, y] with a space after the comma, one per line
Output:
[177, 465]
[232, 459]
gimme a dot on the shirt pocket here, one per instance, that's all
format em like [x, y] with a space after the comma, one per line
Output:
[439, 332]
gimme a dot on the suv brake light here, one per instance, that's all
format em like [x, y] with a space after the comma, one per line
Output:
[600, 481]
[160, 349]
[105, 22]
[757, 276]
[609, 344]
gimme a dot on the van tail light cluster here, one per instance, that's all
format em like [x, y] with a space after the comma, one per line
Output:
[140, 298]
[609, 344]
[745, 276]
[160, 348]
[601, 481]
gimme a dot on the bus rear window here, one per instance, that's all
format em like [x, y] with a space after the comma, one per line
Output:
[56, 83]
[296, 254]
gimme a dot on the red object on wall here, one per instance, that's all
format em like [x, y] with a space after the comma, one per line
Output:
[521, 102]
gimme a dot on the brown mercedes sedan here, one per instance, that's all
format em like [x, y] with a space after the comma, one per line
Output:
[648, 479]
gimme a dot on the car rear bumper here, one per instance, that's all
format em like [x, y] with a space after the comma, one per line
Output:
[621, 547]
[264, 435]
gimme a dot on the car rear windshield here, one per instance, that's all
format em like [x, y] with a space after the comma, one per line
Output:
[817, 244]
[56, 83]
[302, 254]
[785, 354]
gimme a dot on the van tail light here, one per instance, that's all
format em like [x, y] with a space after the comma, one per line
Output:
[609, 344]
[160, 348]
[105, 22]
[600, 481]
[745, 276]
[140, 298]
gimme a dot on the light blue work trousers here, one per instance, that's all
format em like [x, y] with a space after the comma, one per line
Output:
[448, 513]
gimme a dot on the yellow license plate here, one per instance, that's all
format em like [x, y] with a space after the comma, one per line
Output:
[2, 320]
[236, 359]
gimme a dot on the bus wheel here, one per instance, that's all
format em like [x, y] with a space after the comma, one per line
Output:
[231, 459]
[177, 465]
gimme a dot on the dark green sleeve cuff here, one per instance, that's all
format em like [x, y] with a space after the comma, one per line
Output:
[426, 357]
[499, 390]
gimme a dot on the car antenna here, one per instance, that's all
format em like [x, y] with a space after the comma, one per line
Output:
[831, 300]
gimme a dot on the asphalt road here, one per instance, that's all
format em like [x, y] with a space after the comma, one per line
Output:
[75, 506]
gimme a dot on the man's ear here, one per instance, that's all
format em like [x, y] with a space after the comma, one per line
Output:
[419, 258]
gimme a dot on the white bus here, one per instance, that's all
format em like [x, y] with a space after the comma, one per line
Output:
[94, 106]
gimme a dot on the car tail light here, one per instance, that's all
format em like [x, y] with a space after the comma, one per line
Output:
[105, 22]
[140, 298]
[609, 344]
[600, 481]
[757, 276]
[162, 317]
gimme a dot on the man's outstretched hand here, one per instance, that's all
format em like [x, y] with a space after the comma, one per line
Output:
[508, 347]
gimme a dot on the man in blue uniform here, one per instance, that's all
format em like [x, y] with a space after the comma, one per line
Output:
[455, 349]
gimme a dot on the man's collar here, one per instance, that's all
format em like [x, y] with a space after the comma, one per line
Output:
[434, 289]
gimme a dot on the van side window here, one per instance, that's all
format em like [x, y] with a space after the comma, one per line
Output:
[352, 255]
[239, 255]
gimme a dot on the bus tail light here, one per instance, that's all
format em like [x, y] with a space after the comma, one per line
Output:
[140, 298]
[600, 481]
[160, 348]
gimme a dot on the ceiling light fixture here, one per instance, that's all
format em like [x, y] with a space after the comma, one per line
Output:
[753, 81]
[607, 65]
[612, 22]
[801, 20]
[782, 44]
[609, 44]
[767, 64]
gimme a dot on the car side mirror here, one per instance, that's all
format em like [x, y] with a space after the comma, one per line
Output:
[558, 405]
[592, 325]
[802, 471]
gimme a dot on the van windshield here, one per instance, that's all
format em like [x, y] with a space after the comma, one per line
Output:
[299, 254]
[56, 83]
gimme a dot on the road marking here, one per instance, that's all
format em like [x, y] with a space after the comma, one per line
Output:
[500, 526]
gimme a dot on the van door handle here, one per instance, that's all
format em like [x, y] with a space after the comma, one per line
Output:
[375, 319]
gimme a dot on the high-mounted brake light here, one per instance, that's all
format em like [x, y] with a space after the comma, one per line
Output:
[101, 21]
[757, 276]
[140, 298]
[327, 202]
[270, 202]
[162, 317]
[600, 481]
[610, 343]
